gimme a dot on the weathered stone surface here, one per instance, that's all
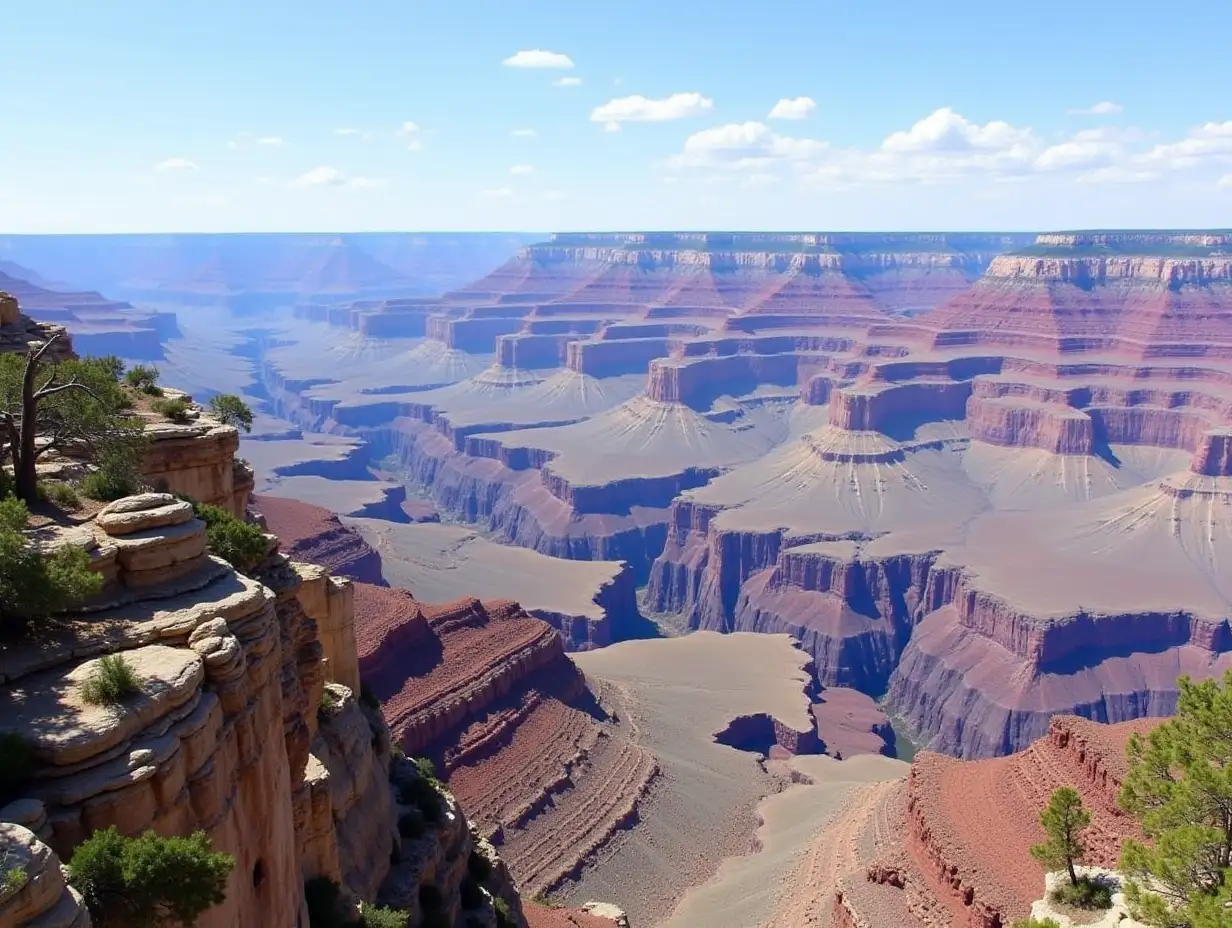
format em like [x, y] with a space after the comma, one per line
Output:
[139, 513]
[155, 548]
[42, 899]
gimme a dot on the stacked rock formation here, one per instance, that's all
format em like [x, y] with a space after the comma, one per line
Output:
[18, 332]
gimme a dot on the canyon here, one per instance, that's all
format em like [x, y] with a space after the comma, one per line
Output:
[635, 530]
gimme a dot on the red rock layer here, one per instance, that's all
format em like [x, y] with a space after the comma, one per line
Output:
[541, 916]
[312, 534]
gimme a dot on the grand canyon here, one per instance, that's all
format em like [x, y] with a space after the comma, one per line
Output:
[726, 579]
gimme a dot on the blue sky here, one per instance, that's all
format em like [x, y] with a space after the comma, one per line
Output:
[143, 115]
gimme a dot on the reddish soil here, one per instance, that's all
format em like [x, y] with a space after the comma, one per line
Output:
[310, 533]
[540, 916]
[969, 826]
[851, 723]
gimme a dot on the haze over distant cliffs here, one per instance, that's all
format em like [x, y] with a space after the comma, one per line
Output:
[955, 466]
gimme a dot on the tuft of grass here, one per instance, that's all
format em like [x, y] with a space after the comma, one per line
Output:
[13, 879]
[60, 494]
[112, 680]
[175, 409]
[330, 703]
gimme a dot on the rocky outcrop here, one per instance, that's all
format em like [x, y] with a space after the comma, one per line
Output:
[198, 461]
[19, 333]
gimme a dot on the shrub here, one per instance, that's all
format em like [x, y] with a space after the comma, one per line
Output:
[144, 379]
[61, 494]
[426, 768]
[396, 752]
[479, 867]
[379, 916]
[241, 544]
[1085, 894]
[411, 824]
[118, 474]
[471, 894]
[150, 880]
[322, 896]
[34, 583]
[231, 410]
[175, 409]
[16, 762]
[111, 680]
[430, 898]
[504, 917]
[330, 703]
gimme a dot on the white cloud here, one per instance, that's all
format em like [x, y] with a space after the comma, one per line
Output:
[326, 176]
[168, 165]
[1225, 181]
[947, 131]
[408, 129]
[413, 132]
[1102, 108]
[415, 145]
[643, 109]
[270, 141]
[521, 170]
[1209, 143]
[760, 181]
[743, 145]
[1117, 175]
[568, 81]
[524, 134]
[538, 58]
[799, 108]
[497, 193]
[1077, 154]
[350, 133]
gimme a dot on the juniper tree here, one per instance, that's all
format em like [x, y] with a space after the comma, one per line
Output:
[1064, 820]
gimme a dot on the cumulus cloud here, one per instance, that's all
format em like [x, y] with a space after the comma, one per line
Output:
[520, 170]
[1102, 108]
[946, 131]
[743, 145]
[413, 134]
[799, 108]
[644, 109]
[524, 134]
[496, 193]
[170, 165]
[538, 58]
[1211, 143]
[326, 176]
[567, 81]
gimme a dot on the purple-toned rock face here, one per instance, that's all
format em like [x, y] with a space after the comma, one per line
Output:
[923, 456]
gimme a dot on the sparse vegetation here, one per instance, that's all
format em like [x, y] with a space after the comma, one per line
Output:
[504, 917]
[34, 584]
[426, 768]
[13, 879]
[150, 880]
[173, 408]
[241, 544]
[378, 916]
[330, 703]
[422, 794]
[1085, 894]
[74, 406]
[110, 682]
[1180, 788]
[118, 474]
[144, 379]
[60, 494]
[231, 410]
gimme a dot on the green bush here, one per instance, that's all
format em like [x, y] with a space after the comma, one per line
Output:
[471, 894]
[61, 494]
[118, 474]
[426, 768]
[35, 584]
[504, 917]
[411, 824]
[144, 379]
[1085, 894]
[323, 898]
[241, 544]
[379, 916]
[112, 679]
[231, 410]
[330, 703]
[175, 409]
[150, 880]
[479, 867]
